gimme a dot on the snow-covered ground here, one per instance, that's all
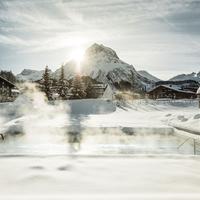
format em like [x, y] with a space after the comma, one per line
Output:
[104, 113]
[95, 117]
[128, 151]
[104, 178]
[147, 114]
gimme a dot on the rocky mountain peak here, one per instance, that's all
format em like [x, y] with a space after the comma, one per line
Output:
[99, 51]
[27, 71]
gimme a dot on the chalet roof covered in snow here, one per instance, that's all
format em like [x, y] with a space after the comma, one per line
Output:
[172, 87]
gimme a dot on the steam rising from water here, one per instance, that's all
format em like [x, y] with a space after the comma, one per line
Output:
[45, 126]
[34, 116]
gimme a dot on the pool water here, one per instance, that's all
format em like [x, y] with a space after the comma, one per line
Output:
[98, 142]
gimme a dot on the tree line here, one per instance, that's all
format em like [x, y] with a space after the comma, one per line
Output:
[78, 87]
[61, 88]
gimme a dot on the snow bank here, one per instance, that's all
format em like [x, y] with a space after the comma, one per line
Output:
[183, 114]
[186, 121]
[141, 114]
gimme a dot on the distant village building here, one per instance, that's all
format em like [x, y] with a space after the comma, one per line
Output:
[170, 91]
[7, 90]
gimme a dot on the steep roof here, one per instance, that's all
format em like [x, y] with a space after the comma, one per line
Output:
[3, 79]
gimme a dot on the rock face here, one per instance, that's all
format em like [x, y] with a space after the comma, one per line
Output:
[182, 77]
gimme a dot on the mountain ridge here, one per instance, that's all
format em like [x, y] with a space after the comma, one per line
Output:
[102, 64]
[149, 76]
[191, 76]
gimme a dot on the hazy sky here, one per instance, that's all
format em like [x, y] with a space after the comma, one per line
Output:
[161, 36]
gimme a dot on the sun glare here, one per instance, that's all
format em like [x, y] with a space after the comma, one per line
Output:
[77, 55]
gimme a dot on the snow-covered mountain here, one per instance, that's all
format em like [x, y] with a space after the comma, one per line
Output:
[30, 75]
[98, 61]
[182, 77]
[103, 64]
[148, 75]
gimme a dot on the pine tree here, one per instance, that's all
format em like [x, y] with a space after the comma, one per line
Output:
[78, 91]
[62, 85]
[47, 83]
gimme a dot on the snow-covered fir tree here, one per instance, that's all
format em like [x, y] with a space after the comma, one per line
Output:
[77, 90]
[62, 85]
[47, 83]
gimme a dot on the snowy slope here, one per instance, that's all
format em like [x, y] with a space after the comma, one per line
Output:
[69, 70]
[148, 75]
[192, 76]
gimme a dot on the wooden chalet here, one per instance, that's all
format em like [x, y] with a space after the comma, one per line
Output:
[171, 92]
[6, 88]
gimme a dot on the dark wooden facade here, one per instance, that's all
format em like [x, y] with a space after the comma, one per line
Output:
[163, 91]
[98, 90]
[186, 85]
[5, 90]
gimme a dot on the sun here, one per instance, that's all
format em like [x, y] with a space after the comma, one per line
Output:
[77, 55]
